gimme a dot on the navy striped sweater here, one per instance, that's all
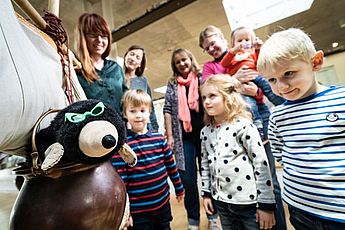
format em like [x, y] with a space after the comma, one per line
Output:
[147, 183]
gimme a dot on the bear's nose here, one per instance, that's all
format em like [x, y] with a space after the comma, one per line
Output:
[108, 141]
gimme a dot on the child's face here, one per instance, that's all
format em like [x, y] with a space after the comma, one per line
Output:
[244, 37]
[138, 117]
[183, 63]
[213, 102]
[295, 79]
[215, 45]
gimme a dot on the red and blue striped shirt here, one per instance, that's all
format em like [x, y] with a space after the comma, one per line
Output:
[147, 183]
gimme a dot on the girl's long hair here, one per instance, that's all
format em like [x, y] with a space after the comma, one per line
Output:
[230, 88]
[90, 24]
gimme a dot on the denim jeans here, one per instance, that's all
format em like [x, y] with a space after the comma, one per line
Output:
[304, 221]
[237, 217]
[153, 220]
[279, 212]
[189, 181]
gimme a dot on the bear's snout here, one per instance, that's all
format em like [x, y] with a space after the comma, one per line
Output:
[98, 138]
[108, 141]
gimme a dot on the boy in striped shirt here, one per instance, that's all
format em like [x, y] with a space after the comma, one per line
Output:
[147, 183]
[307, 132]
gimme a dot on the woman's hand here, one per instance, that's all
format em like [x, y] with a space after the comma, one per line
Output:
[265, 219]
[244, 74]
[170, 141]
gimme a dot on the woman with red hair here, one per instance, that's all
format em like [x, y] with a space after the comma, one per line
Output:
[101, 78]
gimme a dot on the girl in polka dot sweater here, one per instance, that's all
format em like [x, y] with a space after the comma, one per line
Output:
[235, 170]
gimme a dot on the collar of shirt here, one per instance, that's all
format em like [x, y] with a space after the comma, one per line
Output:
[137, 135]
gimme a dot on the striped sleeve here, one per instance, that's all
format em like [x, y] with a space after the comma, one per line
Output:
[276, 141]
[173, 173]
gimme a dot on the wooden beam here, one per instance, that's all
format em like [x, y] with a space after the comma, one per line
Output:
[149, 17]
[54, 7]
[31, 12]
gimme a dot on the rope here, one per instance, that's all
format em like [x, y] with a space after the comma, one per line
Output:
[56, 31]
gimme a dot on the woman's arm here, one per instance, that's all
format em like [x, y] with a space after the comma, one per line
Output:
[168, 129]
[246, 75]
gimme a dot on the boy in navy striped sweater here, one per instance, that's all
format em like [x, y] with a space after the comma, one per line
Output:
[307, 132]
[147, 182]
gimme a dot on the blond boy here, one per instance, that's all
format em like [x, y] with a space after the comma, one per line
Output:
[307, 131]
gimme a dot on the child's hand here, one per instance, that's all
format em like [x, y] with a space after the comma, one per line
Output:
[258, 43]
[179, 198]
[265, 219]
[237, 48]
[208, 205]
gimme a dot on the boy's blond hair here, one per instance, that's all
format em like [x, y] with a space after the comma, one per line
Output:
[288, 45]
[209, 31]
[136, 98]
[234, 105]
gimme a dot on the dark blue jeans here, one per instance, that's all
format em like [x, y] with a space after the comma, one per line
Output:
[190, 184]
[159, 219]
[279, 212]
[237, 217]
[304, 221]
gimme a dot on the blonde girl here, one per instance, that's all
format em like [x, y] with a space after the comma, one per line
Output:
[235, 169]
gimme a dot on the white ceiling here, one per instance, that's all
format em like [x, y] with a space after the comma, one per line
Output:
[181, 28]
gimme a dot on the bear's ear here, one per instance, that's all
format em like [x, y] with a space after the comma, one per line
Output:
[53, 154]
[44, 138]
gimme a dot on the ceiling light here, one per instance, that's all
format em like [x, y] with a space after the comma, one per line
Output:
[253, 13]
[335, 44]
[342, 23]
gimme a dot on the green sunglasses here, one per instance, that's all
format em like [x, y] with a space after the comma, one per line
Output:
[79, 117]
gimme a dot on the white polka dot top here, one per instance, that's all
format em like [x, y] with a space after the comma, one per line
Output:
[234, 164]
